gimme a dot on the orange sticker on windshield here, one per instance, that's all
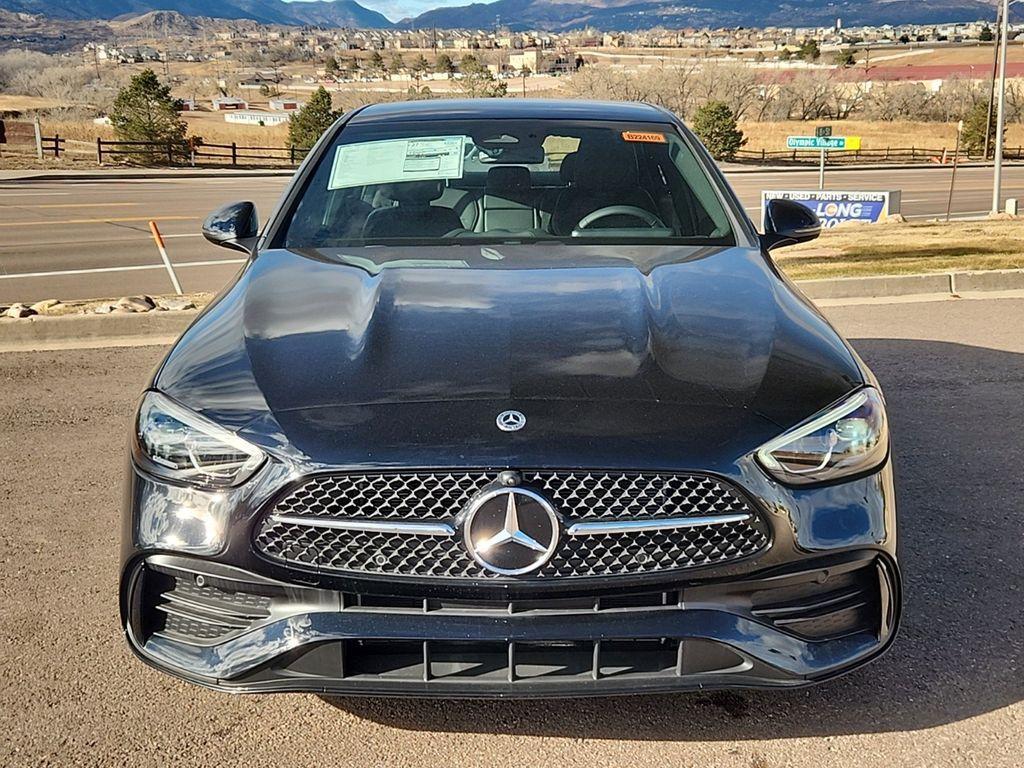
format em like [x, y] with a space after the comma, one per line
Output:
[644, 137]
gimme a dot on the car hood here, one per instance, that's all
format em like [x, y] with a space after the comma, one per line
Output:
[340, 359]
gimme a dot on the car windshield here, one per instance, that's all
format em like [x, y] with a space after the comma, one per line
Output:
[512, 181]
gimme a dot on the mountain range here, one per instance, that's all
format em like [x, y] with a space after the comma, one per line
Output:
[553, 15]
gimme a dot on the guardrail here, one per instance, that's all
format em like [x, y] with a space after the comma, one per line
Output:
[197, 153]
[887, 155]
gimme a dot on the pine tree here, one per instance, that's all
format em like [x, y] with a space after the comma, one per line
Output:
[315, 117]
[145, 111]
[715, 125]
[445, 64]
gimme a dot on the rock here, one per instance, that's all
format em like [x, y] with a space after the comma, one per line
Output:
[895, 218]
[175, 305]
[20, 310]
[135, 304]
[45, 305]
[104, 309]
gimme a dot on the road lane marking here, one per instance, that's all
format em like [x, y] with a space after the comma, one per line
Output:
[132, 268]
[110, 220]
[74, 205]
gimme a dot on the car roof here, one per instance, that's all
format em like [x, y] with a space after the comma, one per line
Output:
[522, 109]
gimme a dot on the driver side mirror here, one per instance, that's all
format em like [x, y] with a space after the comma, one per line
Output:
[786, 223]
[236, 226]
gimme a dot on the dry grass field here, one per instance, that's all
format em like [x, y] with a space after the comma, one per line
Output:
[874, 135]
[903, 249]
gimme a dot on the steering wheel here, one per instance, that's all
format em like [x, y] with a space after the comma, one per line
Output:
[636, 212]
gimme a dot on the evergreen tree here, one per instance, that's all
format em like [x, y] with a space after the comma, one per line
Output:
[145, 111]
[973, 138]
[715, 125]
[421, 64]
[445, 64]
[315, 117]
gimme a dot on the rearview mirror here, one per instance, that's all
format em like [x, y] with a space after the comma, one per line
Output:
[236, 226]
[786, 223]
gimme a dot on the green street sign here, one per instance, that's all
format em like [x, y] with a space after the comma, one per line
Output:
[823, 131]
[839, 143]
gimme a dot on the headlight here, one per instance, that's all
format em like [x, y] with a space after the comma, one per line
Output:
[177, 444]
[847, 439]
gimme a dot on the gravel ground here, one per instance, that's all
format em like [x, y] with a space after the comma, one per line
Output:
[948, 693]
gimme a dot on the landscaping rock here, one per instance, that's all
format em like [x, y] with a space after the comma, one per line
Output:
[175, 305]
[45, 305]
[20, 310]
[105, 309]
[135, 304]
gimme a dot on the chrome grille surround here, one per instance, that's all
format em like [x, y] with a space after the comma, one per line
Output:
[434, 498]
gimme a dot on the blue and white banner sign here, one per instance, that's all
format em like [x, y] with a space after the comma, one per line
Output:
[835, 207]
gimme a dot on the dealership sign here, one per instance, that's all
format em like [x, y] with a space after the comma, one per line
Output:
[835, 207]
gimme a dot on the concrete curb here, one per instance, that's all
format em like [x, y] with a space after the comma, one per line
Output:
[948, 283]
[39, 333]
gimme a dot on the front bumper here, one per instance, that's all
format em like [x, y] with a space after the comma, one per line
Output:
[238, 631]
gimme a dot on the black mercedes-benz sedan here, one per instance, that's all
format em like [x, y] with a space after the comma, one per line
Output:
[509, 399]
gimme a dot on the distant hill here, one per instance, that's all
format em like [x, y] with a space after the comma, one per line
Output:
[558, 15]
[327, 13]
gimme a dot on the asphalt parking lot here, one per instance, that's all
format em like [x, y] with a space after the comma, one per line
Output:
[949, 693]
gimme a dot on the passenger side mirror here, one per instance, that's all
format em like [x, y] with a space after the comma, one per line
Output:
[786, 223]
[236, 226]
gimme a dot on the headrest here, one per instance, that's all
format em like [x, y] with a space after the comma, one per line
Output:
[605, 166]
[508, 178]
[567, 169]
[414, 192]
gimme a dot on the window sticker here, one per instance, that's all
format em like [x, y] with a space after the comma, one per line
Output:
[395, 160]
[644, 137]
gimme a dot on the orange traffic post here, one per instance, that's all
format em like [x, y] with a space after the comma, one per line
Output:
[158, 238]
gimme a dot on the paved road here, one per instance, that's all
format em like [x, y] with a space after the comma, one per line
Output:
[67, 226]
[949, 693]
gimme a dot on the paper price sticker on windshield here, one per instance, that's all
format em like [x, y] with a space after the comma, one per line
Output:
[397, 160]
[644, 137]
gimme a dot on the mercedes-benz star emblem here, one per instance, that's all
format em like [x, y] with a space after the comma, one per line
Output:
[510, 531]
[511, 421]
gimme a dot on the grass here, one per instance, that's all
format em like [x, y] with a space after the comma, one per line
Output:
[874, 134]
[903, 249]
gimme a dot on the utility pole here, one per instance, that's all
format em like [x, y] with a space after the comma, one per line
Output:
[992, 84]
[997, 175]
[952, 178]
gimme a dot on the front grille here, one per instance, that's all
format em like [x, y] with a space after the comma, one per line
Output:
[579, 496]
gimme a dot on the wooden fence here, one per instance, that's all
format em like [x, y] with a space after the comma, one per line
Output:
[183, 153]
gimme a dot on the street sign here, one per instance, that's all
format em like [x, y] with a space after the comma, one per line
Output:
[823, 131]
[833, 208]
[832, 143]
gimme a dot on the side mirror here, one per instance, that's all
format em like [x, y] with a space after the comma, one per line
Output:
[236, 226]
[786, 223]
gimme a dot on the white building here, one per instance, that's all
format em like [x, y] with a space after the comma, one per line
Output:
[251, 117]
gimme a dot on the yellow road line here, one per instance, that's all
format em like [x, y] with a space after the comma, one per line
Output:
[72, 205]
[114, 220]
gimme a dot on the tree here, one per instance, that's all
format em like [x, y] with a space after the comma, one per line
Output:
[376, 61]
[331, 67]
[986, 35]
[715, 125]
[809, 51]
[845, 58]
[973, 138]
[421, 64]
[396, 63]
[445, 64]
[315, 117]
[145, 111]
[470, 64]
